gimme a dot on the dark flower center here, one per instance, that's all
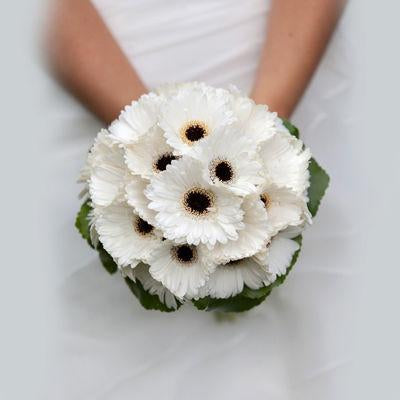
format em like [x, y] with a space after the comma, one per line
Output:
[223, 171]
[142, 227]
[184, 253]
[198, 200]
[194, 131]
[266, 200]
[163, 161]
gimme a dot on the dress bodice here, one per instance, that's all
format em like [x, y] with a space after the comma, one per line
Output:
[215, 41]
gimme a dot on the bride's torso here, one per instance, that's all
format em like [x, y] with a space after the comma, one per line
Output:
[216, 41]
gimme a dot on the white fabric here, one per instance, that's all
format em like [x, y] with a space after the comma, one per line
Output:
[216, 41]
[297, 345]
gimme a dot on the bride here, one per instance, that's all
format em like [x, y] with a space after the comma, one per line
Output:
[110, 56]
[108, 53]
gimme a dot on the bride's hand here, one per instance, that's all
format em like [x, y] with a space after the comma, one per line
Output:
[88, 61]
[297, 35]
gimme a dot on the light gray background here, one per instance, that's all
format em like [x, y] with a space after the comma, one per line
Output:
[32, 271]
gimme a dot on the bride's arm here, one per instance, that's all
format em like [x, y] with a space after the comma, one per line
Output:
[88, 61]
[298, 32]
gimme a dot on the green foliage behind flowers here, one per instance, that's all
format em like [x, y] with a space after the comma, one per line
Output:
[319, 182]
[147, 300]
[291, 128]
[82, 224]
[319, 179]
[106, 260]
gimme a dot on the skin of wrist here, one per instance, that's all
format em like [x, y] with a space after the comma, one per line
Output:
[275, 105]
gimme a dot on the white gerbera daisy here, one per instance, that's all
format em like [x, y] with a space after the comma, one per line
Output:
[252, 238]
[150, 154]
[126, 237]
[284, 207]
[190, 209]
[142, 274]
[181, 268]
[192, 115]
[108, 171]
[286, 162]
[228, 280]
[277, 255]
[136, 119]
[258, 123]
[136, 198]
[229, 159]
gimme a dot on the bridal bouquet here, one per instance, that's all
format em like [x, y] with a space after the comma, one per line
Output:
[197, 194]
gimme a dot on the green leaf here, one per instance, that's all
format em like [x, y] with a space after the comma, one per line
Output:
[291, 128]
[256, 293]
[147, 300]
[107, 261]
[201, 304]
[82, 222]
[319, 181]
[238, 303]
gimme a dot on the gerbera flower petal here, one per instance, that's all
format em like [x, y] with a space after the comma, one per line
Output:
[286, 162]
[150, 154]
[277, 256]
[228, 280]
[283, 206]
[136, 119]
[154, 287]
[258, 123]
[136, 198]
[124, 235]
[108, 171]
[252, 238]
[169, 90]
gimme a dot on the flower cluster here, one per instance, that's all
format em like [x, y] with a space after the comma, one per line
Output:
[197, 193]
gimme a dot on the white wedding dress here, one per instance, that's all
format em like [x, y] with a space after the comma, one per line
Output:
[297, 345]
